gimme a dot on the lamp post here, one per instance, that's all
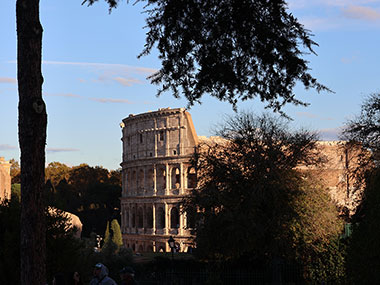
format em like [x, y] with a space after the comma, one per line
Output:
[171, 243]
[98, 240]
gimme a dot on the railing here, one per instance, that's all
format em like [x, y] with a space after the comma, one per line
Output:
[160, 231]
[173, 231]
[149, 231]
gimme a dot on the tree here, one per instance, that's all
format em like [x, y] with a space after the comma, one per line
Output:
[32, 122]
[364, 247]
[365, 128]
[116, 233]
[113, 235]
[63, 249]
[203, 49]
[56, 171]
[363, 133]
[15, 171]
[315, 234]
[16, 191]
[363, 136]
[252, 195]
[229, 49]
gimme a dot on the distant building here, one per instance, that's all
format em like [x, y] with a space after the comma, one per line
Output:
[157, 147]
[5, 179]
[336, 173]
[156, 170]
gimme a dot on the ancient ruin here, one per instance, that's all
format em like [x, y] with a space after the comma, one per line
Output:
[5, 179]
[157, 148]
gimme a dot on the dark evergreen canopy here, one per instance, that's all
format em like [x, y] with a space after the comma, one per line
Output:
[230, 49]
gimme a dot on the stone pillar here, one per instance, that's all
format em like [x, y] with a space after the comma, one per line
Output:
[167, 150]
[168, 180]
[154, 218]
[182, 179]
[129, 216]
[122, 214]
[144, 216]
[181, 221]
[180, 135]
[167, 218]
[156, 134]
[144, 181]
[126, 186]
[154, 180]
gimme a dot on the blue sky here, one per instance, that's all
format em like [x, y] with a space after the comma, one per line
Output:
[93, 78]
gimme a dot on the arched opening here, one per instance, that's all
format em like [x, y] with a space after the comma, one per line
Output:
[133, 247]
[191, 178]
[140, 181]
[176, 178]
[161, 178]
[141, 248]
[174, 218]
[129, 181]
[150, 179]
[190, 219]
[125, 182]
[126, 220]
[149, 217]
[140, 223]
[149, 248]
[160, 218]
[133, 181]
[133, 218]
[161, 249]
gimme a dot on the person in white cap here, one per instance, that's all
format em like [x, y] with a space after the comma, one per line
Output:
[101, 276]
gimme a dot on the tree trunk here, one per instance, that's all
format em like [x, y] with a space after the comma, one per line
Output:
[32, 138]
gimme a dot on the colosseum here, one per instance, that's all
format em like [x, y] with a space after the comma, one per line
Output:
[5, 179]
[157, 174]
[157, 147]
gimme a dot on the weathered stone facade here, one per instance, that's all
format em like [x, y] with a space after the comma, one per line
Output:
[157, 147]
[5, 179]
[336, 172]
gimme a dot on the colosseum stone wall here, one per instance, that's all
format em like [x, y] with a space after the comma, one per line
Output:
[5, 179]
[157, 147]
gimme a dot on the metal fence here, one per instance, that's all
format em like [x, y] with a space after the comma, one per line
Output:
[273, 275]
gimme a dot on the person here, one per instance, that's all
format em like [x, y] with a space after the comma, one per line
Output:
[101, 276]
[74, 278]
[59, 279]
[127, 276]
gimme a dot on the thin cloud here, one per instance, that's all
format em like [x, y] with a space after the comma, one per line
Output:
[110, 77]
[8, 80]
[302, 4]
[124, 67]
[110, 100]
[348, 60]
[313, 116]
[70, 95]
[99, 100]
[127, 81]
[361, 13]
[7, 147]
[55, 150]
[111, 72]
[330, 134]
